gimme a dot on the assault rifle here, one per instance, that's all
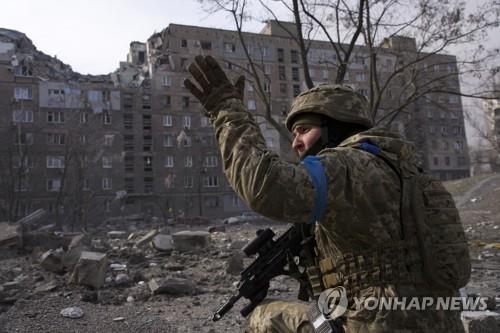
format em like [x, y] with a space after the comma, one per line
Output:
[282, 256]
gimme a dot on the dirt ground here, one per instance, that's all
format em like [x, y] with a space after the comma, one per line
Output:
[31, 298]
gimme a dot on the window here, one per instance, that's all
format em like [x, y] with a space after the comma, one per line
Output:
[167, 101]
[148, 184]
[106, 118]
[146, 101]
[169, 161]
[128, 100]
[281, 73]
[147, 142]
[56, 138]
[167, 120]
[23, 139]
[129, 185]
[53, 184]
[56, 94]
[204, 122]
[184, 43]
[84, 117]
[434, 144]
[447, 160]
[169, 181]
[283, 88]
[453, 99]
[108, 140]
[55, 117]
[296, 90]
[184, 64]
[186, 121]
[229, 47]
[185, 102]
[148, 163]
[294, 56]
[210, 181]
[206, 45]
[188, 182]
[86, 184]
[360, 77]
[55, 162]
[446, 145]
[83, 139]
[324, 74]
[270, 142]
[210, 161]
[167, 81]
[458, 145]
[168, 141]
[146, 122]
[23, 93]
[281, 55]
[430, 113]
[432, 129]
[267, 69]
[363, 92]
[107, 183]
[128, 142]
[435, 160]
[251, 104]
[187, 142]
[129, 163]
[22, 70]
[22, 116]
[128, 121]
[188, 162]
[211, 202]
[295, 74]
[266, 86]
[107, 162]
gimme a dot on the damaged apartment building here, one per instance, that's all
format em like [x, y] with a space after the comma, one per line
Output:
[136, 141]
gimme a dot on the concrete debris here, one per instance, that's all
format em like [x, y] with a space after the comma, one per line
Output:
[8, 234]
[218, 228]
[172, 286]
[123, 280]
[146, 238]
[78, 241]
[118, 267]
[90, 269]
[119, 319]
[185, 241]
[163, 243]
[238, 244]
[52, 261]
[234, 265]
[481, 321]
[117, 234]
[47, 286]
[72, 312]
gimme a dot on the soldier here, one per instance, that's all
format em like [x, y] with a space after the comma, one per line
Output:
[355, 204]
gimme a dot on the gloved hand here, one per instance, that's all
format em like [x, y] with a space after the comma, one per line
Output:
[215, 86]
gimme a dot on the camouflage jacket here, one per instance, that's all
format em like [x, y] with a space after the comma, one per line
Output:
[363, 210]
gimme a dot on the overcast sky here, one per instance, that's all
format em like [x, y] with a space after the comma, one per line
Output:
[93, 36]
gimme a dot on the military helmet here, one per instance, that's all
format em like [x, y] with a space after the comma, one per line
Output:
[336, 101]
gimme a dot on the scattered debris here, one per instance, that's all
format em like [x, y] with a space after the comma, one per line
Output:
[147, 238]
[185, 241]
[90, 269]
[172, 286]
[163, 243]
[72, 312]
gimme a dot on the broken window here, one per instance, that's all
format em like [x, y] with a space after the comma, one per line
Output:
[281, 55]
[229, 47]
[295, 74]
[142, 57]
[107, 162]
[22, 93]
[188, 182]
[283, 88]
[168, 140]
[169, 161]
[55, 162]
[146, 122]
[210, 181]
[53, 184]
[129, 163]
[148, 163]
[281, 73]
[188, 162]
[107, 183]
[22, 116]
[296, 90]
[167, 101]
[128, 121]
[147, 142]
[187, 142]
[23, 139]
[185, 102]
[206, 45]
[128, 142]
[106, 118]
[210, 161]
[146, 101]
[129, 185]
[167, 120]
[184, 43]
[294, 56]
[56, 138]
[186, 121]
[84, 117]
[23, 70]
[108, 140]
[55, 117]
[128, 100]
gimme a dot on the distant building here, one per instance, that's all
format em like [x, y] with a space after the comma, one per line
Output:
[135, 141]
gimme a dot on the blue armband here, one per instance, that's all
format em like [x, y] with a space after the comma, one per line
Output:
[317, 173]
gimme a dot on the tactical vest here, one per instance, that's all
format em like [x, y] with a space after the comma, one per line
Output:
[433, 253]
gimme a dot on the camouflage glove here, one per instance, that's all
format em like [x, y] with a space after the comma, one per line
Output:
[215, 86]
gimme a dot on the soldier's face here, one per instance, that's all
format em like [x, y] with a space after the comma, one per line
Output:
[304, 137]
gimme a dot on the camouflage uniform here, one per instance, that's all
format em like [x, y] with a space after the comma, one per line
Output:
[363, 213]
